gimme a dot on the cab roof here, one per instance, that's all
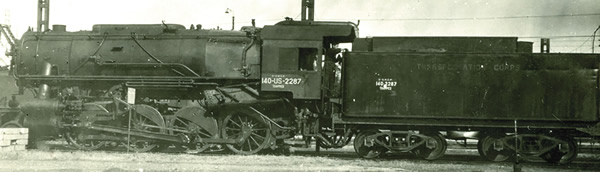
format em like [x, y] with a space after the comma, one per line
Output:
[311, 30]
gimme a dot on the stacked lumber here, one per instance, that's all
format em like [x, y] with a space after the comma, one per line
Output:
[13, 139]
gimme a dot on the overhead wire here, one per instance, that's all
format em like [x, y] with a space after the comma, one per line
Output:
[440, 19]
[558, 37]
[478, 18]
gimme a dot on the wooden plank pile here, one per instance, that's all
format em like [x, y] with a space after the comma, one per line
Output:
[13, 139]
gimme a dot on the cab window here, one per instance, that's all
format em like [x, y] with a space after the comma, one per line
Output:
[298, 59]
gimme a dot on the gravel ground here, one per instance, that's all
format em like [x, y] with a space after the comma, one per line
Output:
[300, 160]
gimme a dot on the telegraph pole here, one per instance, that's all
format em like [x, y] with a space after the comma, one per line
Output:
[43, 15]
[594, 39]
[230, 11]
[308, 10]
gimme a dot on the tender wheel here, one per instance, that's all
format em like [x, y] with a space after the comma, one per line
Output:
[252, 133]
[486, 149]
[144, 117]
[432, 149]
[562, 157]
[73, 136]
[367, 148]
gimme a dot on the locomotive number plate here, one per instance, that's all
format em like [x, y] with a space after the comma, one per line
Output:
[385, 83]
[280, 81]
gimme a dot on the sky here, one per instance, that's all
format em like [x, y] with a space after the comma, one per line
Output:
[569, 23]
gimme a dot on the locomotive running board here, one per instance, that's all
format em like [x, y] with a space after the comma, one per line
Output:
[158, 136]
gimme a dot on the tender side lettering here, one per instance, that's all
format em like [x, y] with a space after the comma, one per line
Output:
[507, 67]
[468, 67]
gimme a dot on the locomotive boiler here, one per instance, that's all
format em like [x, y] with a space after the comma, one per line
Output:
[152, 86]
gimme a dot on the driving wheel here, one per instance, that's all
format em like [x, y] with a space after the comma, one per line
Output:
[145, 118]
[251, 132]
[75, 137]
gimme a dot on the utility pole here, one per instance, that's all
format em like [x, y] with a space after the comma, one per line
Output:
[308, 10]
[545, 45]
[594, 39]
[230, 11]
[43, 15]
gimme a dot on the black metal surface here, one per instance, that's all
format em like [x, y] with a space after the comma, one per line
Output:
[437, 44]
[524, 47]
[291, 55]
[533, 87]
[108, 49]
[310, 30]
[42, 118]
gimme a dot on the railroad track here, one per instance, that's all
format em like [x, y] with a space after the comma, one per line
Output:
[457, 158]
[589, 153]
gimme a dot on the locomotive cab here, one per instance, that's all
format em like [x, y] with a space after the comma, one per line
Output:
[294, 54]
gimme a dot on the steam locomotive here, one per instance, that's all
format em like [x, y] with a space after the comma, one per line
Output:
[151, 86]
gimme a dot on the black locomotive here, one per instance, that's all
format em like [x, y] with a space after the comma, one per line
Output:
[151, 86]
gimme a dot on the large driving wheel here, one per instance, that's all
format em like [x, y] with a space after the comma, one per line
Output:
[251, 132]
[558, 156]
[145, 118]
[76, 137]
[195, 122]
[198, 132]
[489, 150]
[366, 147]
[433, 148]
